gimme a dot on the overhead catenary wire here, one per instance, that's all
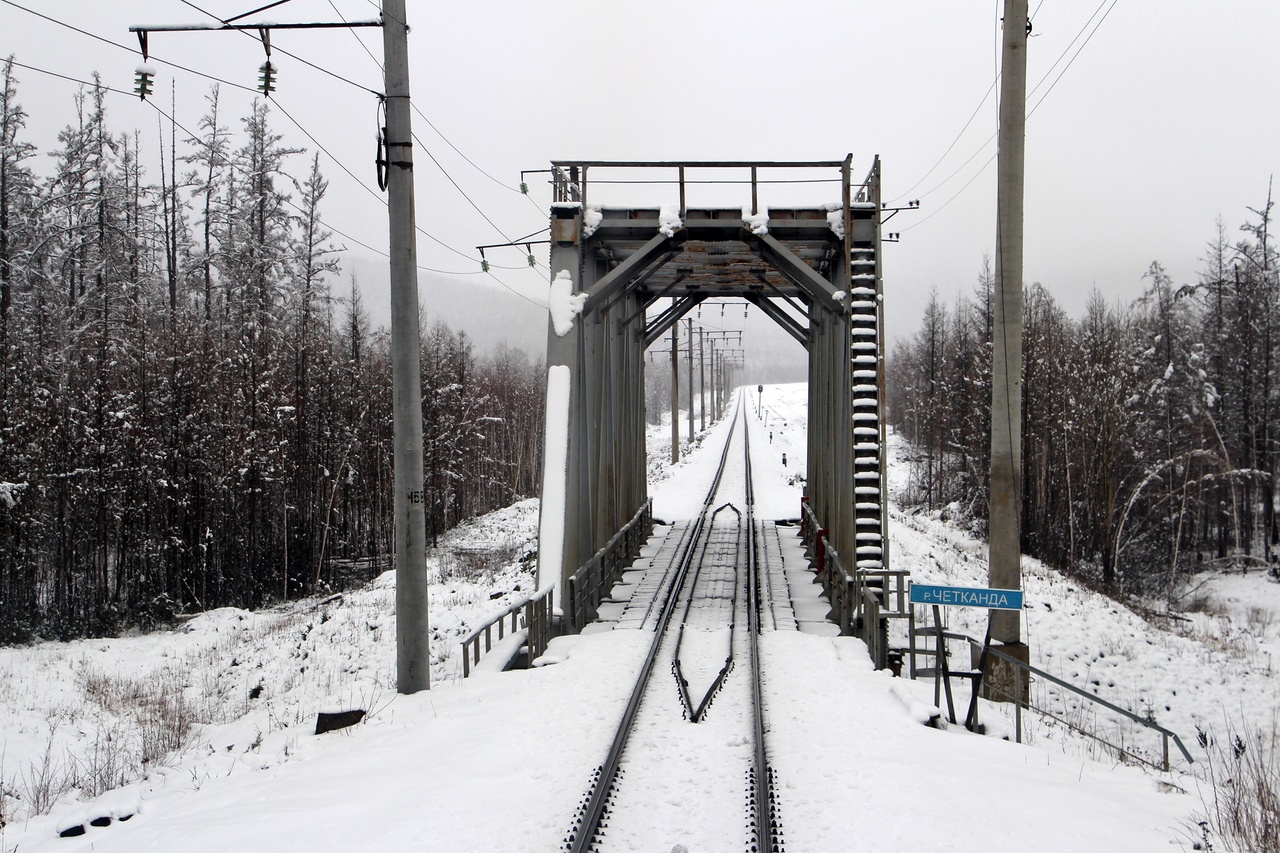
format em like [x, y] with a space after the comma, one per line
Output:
[294, 56]
[994, 82]
[422, 145]
[126, 48]
[227, 162]
[222, 81]
[1032, 110]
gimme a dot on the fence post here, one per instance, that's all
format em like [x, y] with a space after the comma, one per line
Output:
[1017, 707]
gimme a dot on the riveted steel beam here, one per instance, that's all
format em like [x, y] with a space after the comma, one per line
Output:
[788, 323]
[625, 273]
[664, 321]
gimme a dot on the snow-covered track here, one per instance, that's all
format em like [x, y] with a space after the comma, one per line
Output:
[689, 779]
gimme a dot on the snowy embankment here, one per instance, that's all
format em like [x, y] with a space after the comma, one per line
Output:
[499, 761]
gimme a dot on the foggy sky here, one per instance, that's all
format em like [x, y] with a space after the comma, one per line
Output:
[1163, 122]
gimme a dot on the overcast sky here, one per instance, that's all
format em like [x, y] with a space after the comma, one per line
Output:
[1158, 116]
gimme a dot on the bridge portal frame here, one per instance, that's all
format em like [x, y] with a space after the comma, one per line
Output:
[814, 271]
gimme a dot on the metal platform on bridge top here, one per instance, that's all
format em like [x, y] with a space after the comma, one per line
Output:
[623, 275]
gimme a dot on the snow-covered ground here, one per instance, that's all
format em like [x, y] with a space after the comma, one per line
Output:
[499, 761]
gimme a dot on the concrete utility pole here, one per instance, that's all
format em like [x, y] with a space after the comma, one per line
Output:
[675, 392]
[692, 431]
[1005, 523]
[413, 634]
[715, 412]
[702, 378]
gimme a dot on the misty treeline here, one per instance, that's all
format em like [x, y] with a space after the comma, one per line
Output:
[190, 417]
[1149, 430]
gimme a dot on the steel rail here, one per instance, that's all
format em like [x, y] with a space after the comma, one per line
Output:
[766, 823]
[583, 834]
[696, 713]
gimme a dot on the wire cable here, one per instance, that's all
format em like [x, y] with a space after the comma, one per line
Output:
[219, 80]
[227, 162]
[356, 35]
[343, 166]
[126, 48]
[294, 56]
[1034, 107]
[1073, 58]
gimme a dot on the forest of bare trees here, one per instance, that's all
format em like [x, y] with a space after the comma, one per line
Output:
[1150, 440]
[196, 411]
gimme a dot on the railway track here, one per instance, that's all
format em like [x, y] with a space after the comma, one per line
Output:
[689, 758]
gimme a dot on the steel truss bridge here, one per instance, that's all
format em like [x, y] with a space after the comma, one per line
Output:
[816, 271]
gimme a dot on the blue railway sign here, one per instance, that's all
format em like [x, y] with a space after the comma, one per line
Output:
[961, 596]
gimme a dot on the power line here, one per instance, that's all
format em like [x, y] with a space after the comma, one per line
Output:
[516, 292]
[940, 207]
[431, 125]
[1073, 58]
[294, 56]
[219, 80]
[1036, 106]
[301, 128]
[938, 163]
[1065, 50]
[356, 35]
[126, 47]
[416, 139]
[343, 166]
[227, 162]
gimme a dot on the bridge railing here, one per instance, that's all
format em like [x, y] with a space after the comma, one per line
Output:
[530, 619]
[1020, 700]
[862, 601]
[570, 182]
[591, 583]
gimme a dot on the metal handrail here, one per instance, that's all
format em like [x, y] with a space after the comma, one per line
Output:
[855, 606]
[569, 177]
[589, 585]
[537, 609]
[1098, 700]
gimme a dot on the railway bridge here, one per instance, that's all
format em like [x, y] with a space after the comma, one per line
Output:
[622, 276]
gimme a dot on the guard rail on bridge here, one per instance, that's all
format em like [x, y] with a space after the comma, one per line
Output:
[592, 582]
[530, 619]
[862, 601]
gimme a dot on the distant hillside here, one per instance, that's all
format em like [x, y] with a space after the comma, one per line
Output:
[476, 305]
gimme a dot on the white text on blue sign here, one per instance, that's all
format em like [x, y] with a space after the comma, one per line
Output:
[958, 596]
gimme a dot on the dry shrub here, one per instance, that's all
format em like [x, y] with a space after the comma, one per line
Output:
[46, 779]
[1242, 803]
[1259, 620]
[1204, 602]
[475, 564]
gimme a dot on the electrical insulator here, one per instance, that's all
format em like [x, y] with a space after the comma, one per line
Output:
[484, 265]
[524, 188]
[267, 82]
[533, 262]
[142, 85]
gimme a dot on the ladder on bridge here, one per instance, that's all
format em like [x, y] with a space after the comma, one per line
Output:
[868, 429]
